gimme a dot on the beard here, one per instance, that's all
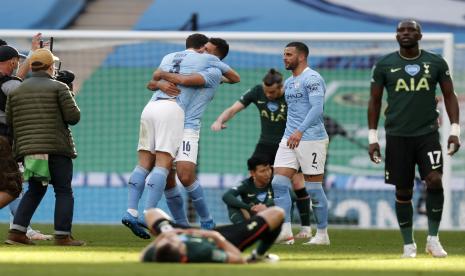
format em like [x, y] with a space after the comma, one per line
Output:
[408, 45]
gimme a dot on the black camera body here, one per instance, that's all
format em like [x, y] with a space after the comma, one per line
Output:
[65, 76]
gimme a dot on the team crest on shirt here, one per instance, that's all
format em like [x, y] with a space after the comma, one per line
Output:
[261, 196]
[272, 106]
[412, 69]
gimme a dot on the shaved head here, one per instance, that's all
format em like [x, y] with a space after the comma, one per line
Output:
[413, 22]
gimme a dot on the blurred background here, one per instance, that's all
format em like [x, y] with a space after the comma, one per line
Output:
[113, 50]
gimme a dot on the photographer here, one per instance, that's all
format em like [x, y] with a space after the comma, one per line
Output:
[46, 144]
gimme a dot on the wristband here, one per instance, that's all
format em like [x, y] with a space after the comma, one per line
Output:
[455, 129]
[372, 136]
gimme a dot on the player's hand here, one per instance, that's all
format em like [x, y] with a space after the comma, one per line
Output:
[453, 145]
[157, 75]
[375, 153]
[217, 126]
[169, 88]
[294, 139]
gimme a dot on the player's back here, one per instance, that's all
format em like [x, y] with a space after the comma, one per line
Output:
[298, 92]
[184, 62]
[202, 97]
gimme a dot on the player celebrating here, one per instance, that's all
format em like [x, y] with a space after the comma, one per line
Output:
[162, 124]
[305, 141]
[186, 158]
[410, 76]
[269, 99]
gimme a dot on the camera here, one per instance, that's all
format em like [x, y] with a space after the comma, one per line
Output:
[65, 76]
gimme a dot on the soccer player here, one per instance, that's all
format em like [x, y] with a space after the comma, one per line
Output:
[304, 143]
[162, 124]
[186, 158]
[255, 192]
[223, 245]
[269, 99]
[410, 76]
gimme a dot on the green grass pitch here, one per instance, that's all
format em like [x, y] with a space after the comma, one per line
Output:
[113, 250]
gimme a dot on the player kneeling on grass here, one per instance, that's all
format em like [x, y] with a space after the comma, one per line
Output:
[222, 245]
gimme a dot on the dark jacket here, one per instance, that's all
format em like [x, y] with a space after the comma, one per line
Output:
[39, 112]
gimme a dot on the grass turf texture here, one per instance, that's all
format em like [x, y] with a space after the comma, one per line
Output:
[113, 250]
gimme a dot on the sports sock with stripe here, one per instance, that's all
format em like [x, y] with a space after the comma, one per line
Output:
[155, 187]
[434, 205]
[175, 203]
[136, 185]
[282, 197]
[195, 191]
[404, 213]
[319, 203]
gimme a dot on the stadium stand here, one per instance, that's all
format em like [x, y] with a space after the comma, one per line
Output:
[305, 16]
[107, 135]
[44, 14]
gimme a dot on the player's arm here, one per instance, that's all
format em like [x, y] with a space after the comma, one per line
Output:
[231, 76]
[374, 110]
[227, 114]
[231, 200]
[168, 87]
[316, 97]
[185, 80]
[452, 108]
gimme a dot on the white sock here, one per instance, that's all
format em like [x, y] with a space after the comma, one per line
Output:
[133, 212]
[287, 228]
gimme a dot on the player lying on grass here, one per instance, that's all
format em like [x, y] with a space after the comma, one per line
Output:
[222, 245]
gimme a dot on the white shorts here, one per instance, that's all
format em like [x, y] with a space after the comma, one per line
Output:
[189, 148]
[161, 127]
[310, 156]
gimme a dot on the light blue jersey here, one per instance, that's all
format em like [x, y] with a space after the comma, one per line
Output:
[305, 95]
[188, 62]
[203, 96]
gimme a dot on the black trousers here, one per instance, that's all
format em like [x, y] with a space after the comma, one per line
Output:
[61, 172]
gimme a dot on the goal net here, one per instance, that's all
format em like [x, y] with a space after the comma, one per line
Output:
[113, 68]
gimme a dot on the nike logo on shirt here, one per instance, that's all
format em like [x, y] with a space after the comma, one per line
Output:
[393, 70]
